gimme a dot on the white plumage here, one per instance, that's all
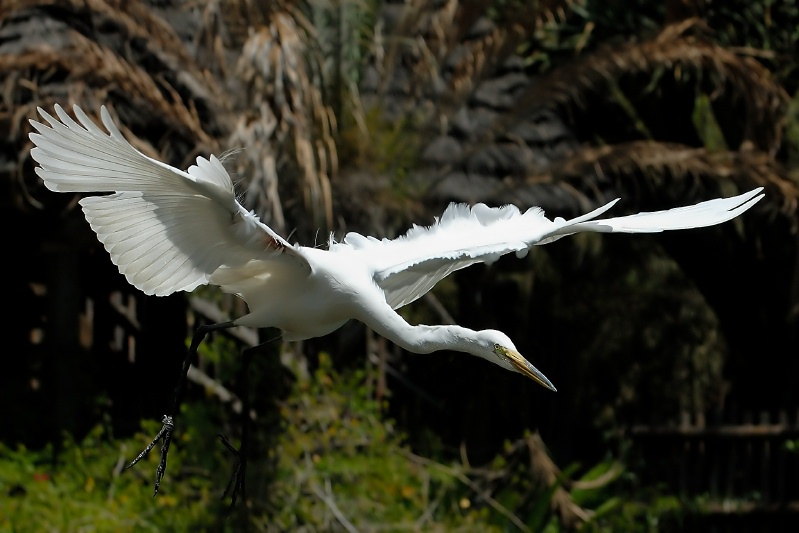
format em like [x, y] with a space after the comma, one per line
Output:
[168, 230]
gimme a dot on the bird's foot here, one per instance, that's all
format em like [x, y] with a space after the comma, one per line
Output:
[236, 484]
[165, 434]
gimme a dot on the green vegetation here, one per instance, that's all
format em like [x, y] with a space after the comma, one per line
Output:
[82, 487]
[338, 463]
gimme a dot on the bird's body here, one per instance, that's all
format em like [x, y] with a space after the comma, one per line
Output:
[321, 299]
[168, 230]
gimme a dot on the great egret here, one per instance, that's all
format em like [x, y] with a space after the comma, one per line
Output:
[168, 230]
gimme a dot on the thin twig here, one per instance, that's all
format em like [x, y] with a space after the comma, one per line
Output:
[247, 336]
[116, 471]
[328, 500]
[224, 394]
[460, 476]
[438, 307]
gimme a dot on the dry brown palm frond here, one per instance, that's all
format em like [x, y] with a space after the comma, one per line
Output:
[106, 51]
[226, 25]
[286, 125]
[679, 48]
[553, 11]
[439, 51]
[283, 126]
[625, 164]
[477, 57]
[546, 474]
[139, 21]
[413, 37]
[650, 175]
[129, 20]
[100, 70]
[96, 52]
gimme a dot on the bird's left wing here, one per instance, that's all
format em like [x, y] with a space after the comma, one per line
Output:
[166, 230]
[409, 266]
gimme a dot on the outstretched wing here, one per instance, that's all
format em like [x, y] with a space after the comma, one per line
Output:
[409, 266]
[167, 230]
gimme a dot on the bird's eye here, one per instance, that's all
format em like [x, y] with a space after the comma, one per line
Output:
[501, 352]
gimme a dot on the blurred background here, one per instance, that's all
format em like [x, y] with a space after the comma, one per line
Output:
[676, 356]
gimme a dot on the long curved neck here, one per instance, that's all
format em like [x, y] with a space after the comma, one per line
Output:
[426, 339]
[422, 338]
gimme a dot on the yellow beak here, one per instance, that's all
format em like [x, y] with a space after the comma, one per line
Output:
[524, 367]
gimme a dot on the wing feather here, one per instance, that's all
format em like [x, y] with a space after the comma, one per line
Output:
[166, 230]
[409, 266]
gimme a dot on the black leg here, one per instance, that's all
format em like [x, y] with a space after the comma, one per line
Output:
[236, 481]
[236, 486]
[168, 421]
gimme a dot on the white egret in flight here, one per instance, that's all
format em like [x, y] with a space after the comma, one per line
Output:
[171, 230]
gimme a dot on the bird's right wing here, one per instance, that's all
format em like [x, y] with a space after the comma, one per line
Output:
[409, 266]
[167, 230]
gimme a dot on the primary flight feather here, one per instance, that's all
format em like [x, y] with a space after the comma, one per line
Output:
[170, 230]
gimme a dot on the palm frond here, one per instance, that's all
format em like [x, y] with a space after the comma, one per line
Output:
[639, 167]
[284, 113]
[648, 174]
[90, 66]
[679, 48]
[439, 51]
[660, 161]
[104, 52]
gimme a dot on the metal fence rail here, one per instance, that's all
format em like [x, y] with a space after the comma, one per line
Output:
[729, 465]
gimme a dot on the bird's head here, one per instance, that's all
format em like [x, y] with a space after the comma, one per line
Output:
[499, 349]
